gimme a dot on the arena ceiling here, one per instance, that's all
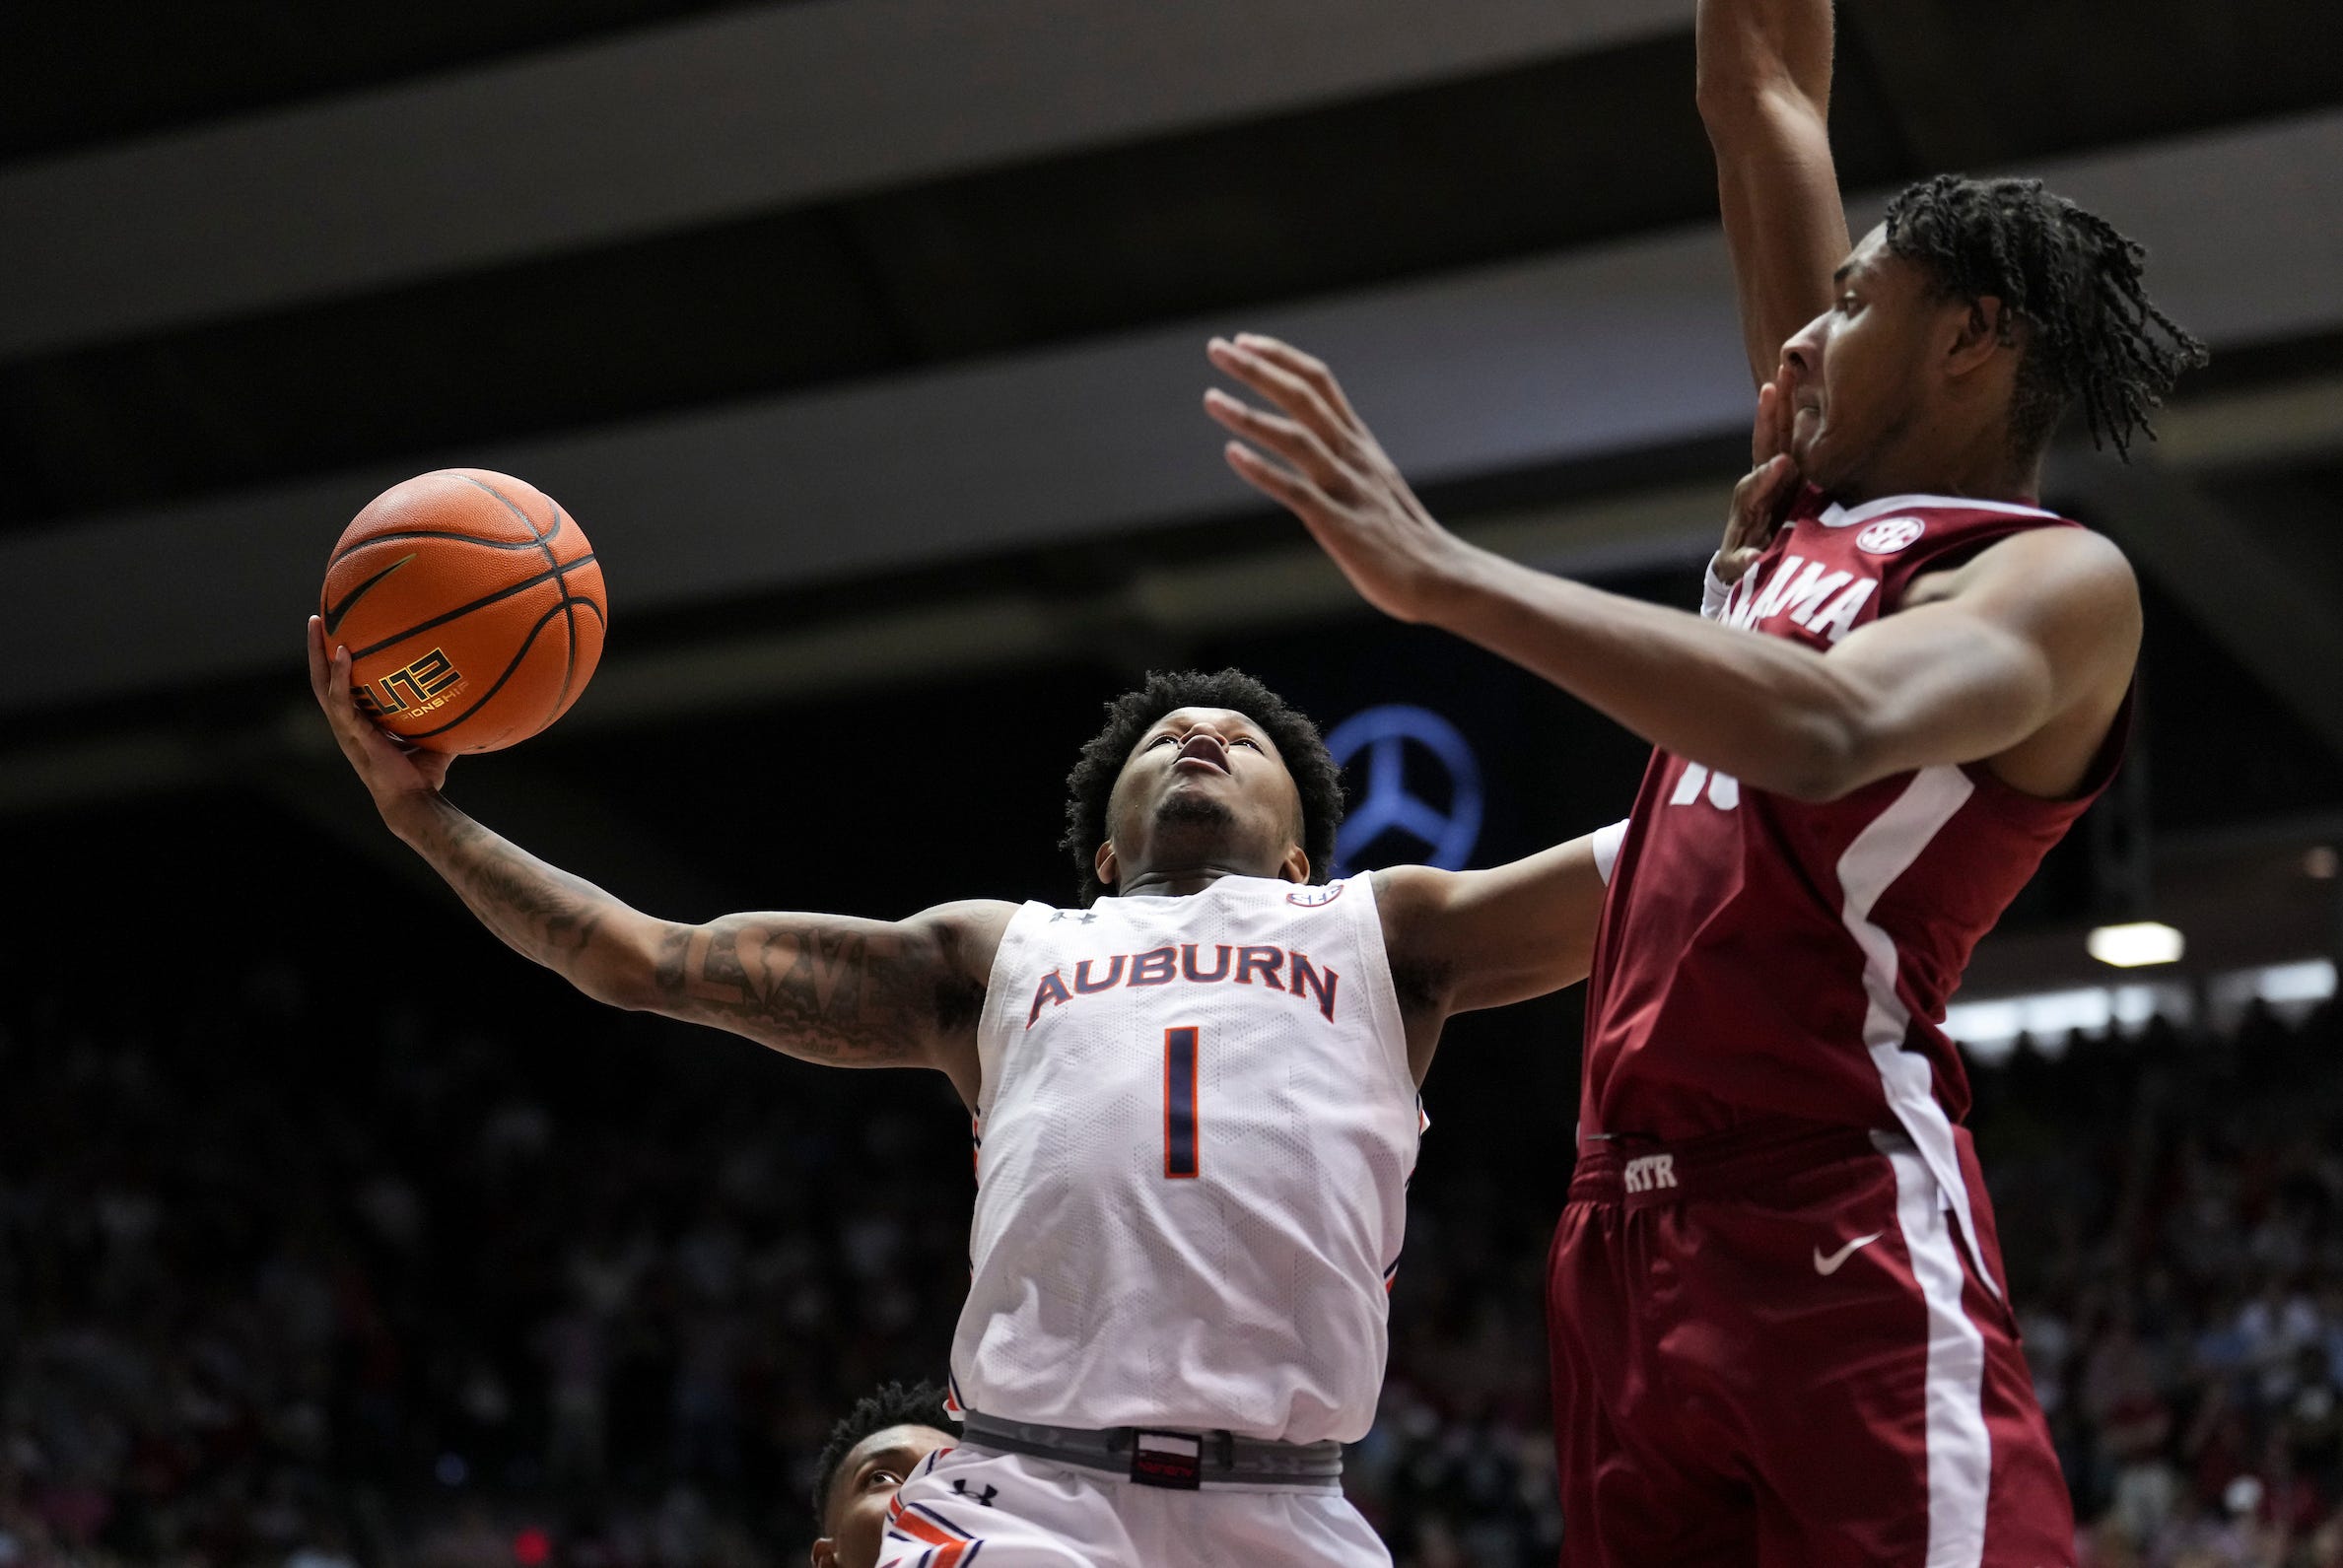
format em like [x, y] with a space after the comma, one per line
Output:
[864, 335]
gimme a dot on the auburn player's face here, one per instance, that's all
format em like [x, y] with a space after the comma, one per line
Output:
[1857, 376]
[869, 1478]
[1204, 785]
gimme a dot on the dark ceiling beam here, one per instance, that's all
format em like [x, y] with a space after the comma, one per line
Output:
[1504, 370]
[693, 123]
[1919, 49]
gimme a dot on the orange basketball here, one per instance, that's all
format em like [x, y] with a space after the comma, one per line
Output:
[472, 608]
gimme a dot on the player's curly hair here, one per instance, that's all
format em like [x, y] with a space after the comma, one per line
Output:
[888, 1404]
[1088, 789]
[2094, 337]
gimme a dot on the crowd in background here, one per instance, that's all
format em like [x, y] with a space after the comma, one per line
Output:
[281, 1286]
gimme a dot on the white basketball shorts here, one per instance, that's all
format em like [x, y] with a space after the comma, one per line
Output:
[1013, 1511]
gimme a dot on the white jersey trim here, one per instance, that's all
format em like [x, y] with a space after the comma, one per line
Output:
[1836, 515]
[1606, 841]
[1881, 854]
[1960, 1447]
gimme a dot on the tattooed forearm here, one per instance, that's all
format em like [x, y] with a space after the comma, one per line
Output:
[826, 988]
[836, 991]
[539, 910]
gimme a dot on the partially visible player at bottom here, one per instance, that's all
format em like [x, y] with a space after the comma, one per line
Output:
[871, 1451]
[1195, 1092]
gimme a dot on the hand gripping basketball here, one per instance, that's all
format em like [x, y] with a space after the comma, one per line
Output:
[389, 769]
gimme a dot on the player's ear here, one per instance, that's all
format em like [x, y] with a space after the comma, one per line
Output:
[825, 1553]
[1981, 332]
[1104, 865]
[1295, 867]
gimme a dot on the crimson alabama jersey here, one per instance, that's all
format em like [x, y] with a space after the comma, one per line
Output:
[1760, 956]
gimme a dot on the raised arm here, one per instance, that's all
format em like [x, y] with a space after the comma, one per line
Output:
[822, 987]
[1765, 95]
[2032, 641]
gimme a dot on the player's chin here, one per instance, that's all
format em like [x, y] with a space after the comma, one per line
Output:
[1809, 451]
[1194, 800]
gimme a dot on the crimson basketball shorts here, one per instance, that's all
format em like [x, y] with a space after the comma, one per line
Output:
[1771, 1346]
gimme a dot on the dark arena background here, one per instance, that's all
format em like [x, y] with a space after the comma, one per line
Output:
[865, 338]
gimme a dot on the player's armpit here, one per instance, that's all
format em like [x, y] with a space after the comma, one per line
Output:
[832, 989]
[1475, 939]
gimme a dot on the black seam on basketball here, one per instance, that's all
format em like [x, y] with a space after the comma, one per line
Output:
[570, 617]
[428, 534]
[544, 542]
[527, 643]
[515, 508]
[466, 610]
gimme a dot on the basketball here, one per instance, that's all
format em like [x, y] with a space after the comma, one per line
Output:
[472, 607]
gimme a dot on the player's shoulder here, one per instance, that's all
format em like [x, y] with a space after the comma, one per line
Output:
[969, 929]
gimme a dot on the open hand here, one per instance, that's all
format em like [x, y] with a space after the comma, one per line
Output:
[388, 769]
[1317, 458]
[1766, 491]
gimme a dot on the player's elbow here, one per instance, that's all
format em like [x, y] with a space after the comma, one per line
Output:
[620, 968]
[1751, 107]
[1829, 756]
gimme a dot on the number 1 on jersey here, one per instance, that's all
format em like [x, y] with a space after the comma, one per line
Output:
[1179, 1103]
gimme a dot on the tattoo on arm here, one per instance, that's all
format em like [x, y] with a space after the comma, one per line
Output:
[815, 987]
[539, 910]
[824, 988]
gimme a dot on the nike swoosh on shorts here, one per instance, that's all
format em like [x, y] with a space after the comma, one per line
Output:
[1830, 1264]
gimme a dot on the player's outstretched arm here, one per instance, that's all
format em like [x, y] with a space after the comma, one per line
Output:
[1471, 939]
[1765, 95]
[2039, 630]
[823, 987]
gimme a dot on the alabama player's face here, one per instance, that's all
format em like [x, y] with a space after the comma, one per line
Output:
[1204, 784]
[869, 1478]
[1855, 375]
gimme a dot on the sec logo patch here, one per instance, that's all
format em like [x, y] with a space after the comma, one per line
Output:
[1311, 897]
[1889, 536]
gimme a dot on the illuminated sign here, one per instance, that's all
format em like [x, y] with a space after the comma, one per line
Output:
[1435, 835]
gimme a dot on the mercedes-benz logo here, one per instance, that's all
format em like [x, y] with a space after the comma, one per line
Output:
[1386, 805]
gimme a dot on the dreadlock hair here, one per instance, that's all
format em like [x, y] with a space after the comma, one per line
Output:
[2093, 338]
[1129, 716]
[888, 1404]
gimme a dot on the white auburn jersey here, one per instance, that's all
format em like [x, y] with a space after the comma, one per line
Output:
[1195, 1134]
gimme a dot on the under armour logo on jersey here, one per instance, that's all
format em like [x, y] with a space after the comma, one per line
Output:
[1084, 915]
[984, 1498]
[1889, 536]
[1650, 1172]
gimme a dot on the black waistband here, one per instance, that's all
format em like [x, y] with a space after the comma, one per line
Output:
[1164, 1457]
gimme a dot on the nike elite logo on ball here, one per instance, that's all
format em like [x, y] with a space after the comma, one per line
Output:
[1830, 1264]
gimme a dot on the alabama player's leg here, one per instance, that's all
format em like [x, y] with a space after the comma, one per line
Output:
[1886, 1410]
[1633, 1489]
[1016, 1511]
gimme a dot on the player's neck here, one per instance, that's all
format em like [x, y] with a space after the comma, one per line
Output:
[1178, 881]
[1981, 469]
